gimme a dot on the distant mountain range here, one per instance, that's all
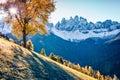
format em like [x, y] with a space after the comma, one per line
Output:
[78, 28]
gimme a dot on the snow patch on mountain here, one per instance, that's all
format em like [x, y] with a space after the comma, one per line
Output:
[76, 35]
[77, 28]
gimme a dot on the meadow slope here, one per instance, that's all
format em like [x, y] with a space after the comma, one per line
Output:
[19, 63]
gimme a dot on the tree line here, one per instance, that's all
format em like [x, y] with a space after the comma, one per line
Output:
[88, 70]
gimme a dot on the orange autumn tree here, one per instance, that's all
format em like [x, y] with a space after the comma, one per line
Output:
[27, 16]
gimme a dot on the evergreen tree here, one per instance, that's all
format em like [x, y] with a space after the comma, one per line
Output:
[90, 70]
[52, 56]
[65, 62]
[98, 75]
[108, 77]
[59, 59]
[69, 64]
[78, 67]
[43, 52]
[86, 70]
[115, 77]
[102, 77]
[83, 70]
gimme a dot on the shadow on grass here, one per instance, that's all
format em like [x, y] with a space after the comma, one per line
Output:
[40, 69]
[17, 49]
[51, 71]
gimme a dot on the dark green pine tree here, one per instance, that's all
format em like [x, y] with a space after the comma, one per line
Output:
[43, 52]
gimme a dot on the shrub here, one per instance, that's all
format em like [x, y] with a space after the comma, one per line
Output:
[29, 45]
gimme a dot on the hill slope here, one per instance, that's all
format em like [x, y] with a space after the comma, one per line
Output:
[17, 62]
[101, 54]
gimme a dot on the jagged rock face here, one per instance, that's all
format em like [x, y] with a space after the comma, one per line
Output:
[78, 28]
[80, 23]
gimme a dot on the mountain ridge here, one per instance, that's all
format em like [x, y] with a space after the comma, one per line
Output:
[78, 28]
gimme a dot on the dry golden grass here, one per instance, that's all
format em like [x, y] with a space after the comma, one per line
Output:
[10, 64]
[69, 70]
[18, 63]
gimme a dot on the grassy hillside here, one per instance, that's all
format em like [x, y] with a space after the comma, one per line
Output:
[95, 52]
[18, 63]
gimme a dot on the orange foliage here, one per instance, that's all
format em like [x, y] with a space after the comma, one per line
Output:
[31, 16]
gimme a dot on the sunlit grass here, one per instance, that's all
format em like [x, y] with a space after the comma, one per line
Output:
[17, 62]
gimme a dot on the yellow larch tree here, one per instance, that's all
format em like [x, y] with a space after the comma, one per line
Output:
[27, 16]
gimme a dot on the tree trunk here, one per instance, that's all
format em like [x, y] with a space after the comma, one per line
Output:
[24, 38]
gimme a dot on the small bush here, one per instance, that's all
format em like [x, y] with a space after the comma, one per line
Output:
[29, 45]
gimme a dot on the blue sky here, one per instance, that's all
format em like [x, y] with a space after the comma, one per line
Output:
[92, 10]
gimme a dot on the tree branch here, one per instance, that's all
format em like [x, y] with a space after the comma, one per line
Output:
[18, 20]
